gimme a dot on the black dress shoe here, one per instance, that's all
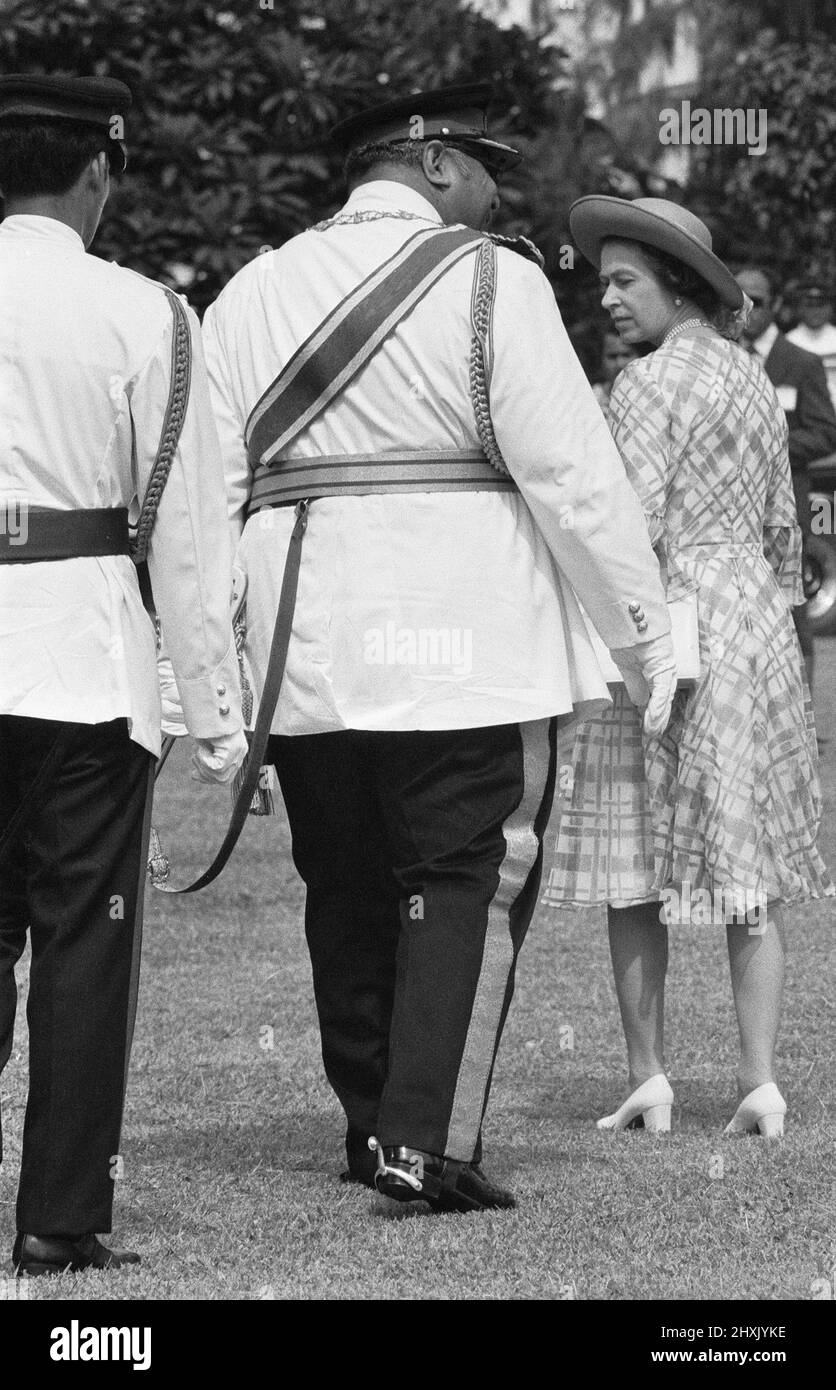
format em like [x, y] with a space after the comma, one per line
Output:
[35, 1255]
[362, 1164]
[412, 1175]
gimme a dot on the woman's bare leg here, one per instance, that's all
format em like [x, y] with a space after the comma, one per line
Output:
[756, 958]
[639, 952]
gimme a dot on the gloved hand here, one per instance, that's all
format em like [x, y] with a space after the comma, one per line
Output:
[218, 759]
[649, 671]
[173, 720]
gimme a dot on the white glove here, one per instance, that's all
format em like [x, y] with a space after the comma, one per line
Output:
[649, 671]
[173, 720]
[218, 759]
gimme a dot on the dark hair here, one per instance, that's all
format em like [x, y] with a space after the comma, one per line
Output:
[409, 153]
[45, 156]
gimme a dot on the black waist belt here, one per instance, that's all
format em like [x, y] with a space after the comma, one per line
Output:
[44, 533]
[358, 475]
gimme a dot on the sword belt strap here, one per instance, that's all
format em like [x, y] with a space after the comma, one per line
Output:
[47, 533]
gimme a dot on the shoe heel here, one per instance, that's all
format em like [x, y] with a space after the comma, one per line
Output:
[657, 1119]
[644, 1109]
[771, 1126]
[761, 1112]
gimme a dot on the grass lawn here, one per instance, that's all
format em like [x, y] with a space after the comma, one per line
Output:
[233, 1141]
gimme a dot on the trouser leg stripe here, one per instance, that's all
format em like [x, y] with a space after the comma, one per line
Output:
[498, 959]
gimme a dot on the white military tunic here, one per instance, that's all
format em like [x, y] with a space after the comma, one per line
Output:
[431, 610]
[85, 362]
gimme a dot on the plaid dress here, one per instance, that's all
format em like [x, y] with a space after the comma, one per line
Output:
[727, 800]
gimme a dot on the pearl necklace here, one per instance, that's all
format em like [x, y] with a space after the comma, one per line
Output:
[680, 328]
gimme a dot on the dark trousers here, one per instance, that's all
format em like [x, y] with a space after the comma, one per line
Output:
[73, 875]
[421, 854]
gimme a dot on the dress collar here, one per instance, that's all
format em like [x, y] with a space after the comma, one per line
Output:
[30, 224]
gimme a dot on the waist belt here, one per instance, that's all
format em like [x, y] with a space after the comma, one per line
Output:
[45, 533]
[357, 475]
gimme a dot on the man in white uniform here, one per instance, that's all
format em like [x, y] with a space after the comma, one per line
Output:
[86, 369]
[434, 639]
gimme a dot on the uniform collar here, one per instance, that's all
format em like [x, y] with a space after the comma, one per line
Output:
[387, 195]
[763, 344]
[29, 224]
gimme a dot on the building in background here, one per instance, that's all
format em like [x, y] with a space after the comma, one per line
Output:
[632, 58]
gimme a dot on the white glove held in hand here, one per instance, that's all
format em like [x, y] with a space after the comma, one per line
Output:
[218, 759]
[173, 720]
[649, 671]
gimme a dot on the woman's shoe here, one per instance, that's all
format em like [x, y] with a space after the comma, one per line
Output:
[649, 1107]
[763, 1111]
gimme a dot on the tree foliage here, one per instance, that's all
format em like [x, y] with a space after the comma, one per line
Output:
[233, 104]
[228, 135]
[779, 207]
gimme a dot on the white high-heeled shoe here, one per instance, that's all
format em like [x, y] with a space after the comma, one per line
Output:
[649, 1107]
[763, 1111]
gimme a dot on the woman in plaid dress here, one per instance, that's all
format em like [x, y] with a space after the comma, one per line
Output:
[715, 820]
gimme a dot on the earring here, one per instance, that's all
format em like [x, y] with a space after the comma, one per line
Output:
[677, 301]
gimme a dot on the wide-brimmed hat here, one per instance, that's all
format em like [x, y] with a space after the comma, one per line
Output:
[655, 222]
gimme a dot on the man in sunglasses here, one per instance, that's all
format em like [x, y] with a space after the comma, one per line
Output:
[799, 380]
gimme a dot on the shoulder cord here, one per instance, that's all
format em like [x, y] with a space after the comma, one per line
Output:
[175, 414]
[481, 311]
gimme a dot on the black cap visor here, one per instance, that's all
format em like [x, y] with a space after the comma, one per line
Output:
[496, 157]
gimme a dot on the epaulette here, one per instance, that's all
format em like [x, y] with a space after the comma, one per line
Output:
[521, 245]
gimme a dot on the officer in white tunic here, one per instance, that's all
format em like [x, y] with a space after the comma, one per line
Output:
[460, 479]
[86, 366]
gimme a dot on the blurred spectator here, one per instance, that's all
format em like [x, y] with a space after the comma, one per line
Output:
[816, 332]
[614, 356]
[798, 378]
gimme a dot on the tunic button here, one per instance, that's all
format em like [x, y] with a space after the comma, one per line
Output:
[641, 627]
[639, 617]
[224, 710]
[221, 689]
[634, 607]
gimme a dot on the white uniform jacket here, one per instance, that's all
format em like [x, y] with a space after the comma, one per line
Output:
[85, 363]
[431, 610]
